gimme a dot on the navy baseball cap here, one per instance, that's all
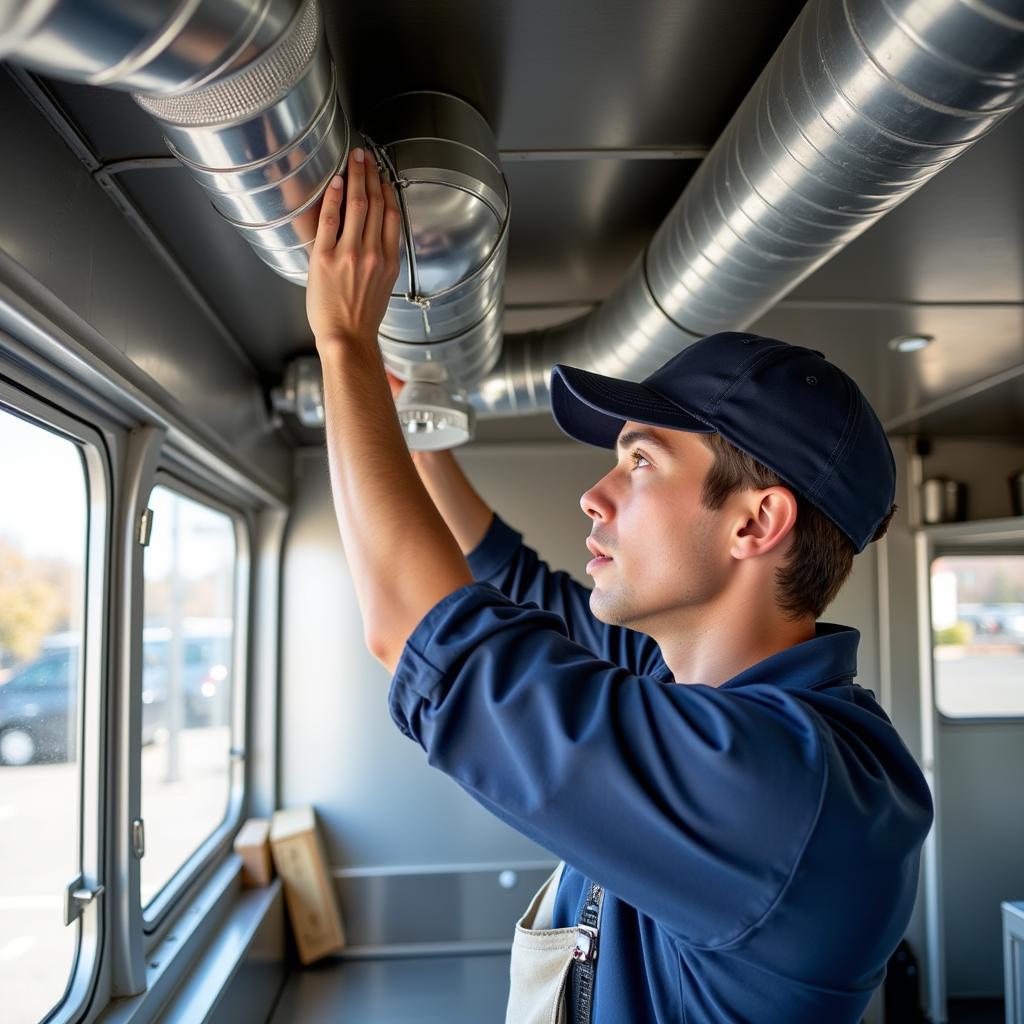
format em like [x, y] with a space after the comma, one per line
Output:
[787, 406]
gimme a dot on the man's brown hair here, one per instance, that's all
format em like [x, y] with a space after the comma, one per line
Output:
[821, 557]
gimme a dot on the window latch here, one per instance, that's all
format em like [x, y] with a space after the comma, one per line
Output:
[77, 896]
[139, 838]
[146, 527]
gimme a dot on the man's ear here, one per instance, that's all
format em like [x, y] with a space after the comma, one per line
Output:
[766, 520]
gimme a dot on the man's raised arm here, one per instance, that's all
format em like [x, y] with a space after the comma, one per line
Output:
[467, 514]
[498, 556]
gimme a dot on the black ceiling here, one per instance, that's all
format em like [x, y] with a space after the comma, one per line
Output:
[627, 77]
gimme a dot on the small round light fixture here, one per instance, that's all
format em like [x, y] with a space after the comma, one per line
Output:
[910, 342]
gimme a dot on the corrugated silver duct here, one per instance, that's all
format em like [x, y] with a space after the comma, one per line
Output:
[442, 330]
[244, 92]
[864, 101]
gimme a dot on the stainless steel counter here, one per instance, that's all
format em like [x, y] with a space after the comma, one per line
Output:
[416, 990]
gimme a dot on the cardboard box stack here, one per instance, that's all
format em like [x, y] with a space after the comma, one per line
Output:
[308, 887]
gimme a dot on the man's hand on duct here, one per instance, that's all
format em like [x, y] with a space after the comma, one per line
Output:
[352, 272]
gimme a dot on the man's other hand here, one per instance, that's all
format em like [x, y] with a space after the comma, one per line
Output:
[352, 272]
[395, 384]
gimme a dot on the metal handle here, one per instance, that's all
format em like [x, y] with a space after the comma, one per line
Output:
[77, 896]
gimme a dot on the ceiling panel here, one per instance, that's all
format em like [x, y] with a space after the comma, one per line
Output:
[564, 73]
[996, 413]
[971, 345]
[577, 225]
[960, 238]
[113, 124]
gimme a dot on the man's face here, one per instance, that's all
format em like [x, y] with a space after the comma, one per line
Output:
[666, 553]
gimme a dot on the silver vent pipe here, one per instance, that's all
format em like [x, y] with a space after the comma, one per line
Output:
[443, 327]
[863, 102]
[244, 93]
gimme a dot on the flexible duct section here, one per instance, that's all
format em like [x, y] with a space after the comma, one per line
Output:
[864, 101]
[443, 327]
[243, 91]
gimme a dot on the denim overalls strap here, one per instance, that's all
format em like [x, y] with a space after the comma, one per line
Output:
[543, 957]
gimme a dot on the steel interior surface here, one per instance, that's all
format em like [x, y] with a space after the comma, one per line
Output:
[601, 111]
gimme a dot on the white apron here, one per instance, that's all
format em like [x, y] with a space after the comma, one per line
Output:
[542, 958]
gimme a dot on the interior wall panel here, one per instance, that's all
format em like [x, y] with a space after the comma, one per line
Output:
[982, 835]
[57, 224]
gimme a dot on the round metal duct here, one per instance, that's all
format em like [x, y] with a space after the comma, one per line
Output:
[145, 45]
[264, 141]
[244, 93]
[443, 327]
[862, 104]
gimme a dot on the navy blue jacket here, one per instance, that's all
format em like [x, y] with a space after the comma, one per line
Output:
[758, 841]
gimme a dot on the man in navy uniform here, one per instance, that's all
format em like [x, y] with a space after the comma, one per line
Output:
[686, 736]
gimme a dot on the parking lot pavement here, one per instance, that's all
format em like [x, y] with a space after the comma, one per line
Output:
[38, 856]
[973, 684]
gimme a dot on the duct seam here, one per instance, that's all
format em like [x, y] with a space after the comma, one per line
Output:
[250, 90]
[895, 83]
[148, 48]
[938, 54]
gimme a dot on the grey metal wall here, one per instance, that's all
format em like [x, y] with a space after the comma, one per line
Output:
[981, 842]
[64, 245]
[391, 822]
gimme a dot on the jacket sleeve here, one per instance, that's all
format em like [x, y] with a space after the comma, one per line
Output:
[691, 804]
[504, 561]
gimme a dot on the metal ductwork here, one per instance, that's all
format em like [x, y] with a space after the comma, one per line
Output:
[246, 97]
[864, 102]
[244, 93]
[443, 327]
[442, 330]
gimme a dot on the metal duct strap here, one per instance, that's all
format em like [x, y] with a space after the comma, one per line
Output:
[443, 326]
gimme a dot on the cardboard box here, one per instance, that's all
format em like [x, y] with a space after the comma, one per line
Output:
[252, 844]
[308, 887]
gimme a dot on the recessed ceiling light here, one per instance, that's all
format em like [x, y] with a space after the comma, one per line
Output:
[910, 342]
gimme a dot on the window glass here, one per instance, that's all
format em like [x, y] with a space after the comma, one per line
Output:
[43, 541]
[978, 635]
[187, 681]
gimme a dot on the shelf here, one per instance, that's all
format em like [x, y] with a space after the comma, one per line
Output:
[1010, 528]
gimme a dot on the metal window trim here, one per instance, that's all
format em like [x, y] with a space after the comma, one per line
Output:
[55, 343]
[931, 866]
[91, 734]
[141, 460]
[263, 707]
[158, 915]
[213, 905]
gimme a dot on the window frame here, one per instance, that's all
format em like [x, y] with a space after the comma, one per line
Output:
[94, 673]
[53, 361]
[158, 916]
[992, 537]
